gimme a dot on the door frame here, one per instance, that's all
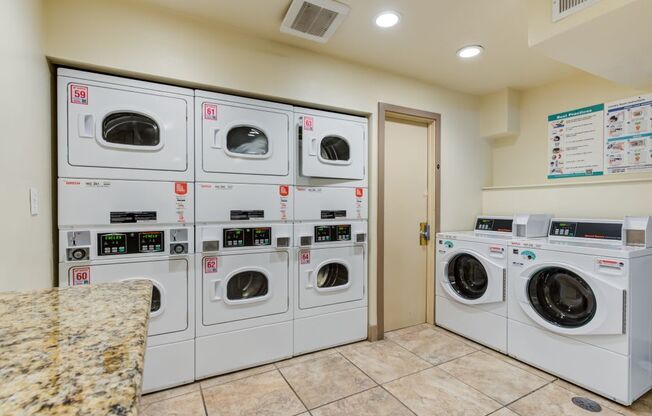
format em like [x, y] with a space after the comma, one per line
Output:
[433, 121]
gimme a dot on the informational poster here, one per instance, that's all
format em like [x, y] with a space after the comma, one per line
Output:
[576, 143]
[628, 135]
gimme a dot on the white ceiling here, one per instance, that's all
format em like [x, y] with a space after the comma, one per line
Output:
[423, 46]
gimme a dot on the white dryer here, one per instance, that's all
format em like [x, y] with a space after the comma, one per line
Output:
[471, 276]
[119, 128]
[331, 149]
[121, 230]
[331, 285]
[244, 303]
[579, 307]
[241, 140]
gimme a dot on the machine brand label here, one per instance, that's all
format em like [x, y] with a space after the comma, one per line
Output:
[308, 123]
[616, 264]
[78, 94]
[496, 249]
[181, 188]
[304, 257]
[284, 190]
[359, 192]
[81, 276]
[210, 111]
[210, 265]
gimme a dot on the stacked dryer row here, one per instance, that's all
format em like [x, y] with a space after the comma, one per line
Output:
[126, 203]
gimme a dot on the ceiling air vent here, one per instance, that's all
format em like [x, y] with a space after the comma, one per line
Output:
[314, 19]
[564, 8]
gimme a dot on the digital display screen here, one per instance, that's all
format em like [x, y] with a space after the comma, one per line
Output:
[247, 237]
[592, 230]
[322, 234]
[111, 244]
[494, 224]
[326, 233]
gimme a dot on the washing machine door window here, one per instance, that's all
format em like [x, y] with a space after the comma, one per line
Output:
[156, 300]
[247, 141]
[130, 129]
[467, 276]
[335, 149]
[332, 275]
[561, 297]
[247, 285]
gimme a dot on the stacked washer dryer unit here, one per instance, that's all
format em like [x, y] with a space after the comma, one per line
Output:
[330, 231]
[472, 276]
[126, 203]
[244, 217]
[579, 304]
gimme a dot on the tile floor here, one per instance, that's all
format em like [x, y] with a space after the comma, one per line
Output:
[420, 370]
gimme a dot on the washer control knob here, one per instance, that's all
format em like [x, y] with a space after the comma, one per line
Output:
[78, 254]
[179, 248]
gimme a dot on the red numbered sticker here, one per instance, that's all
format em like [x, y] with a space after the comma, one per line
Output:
[284, 190]
[180, 188]
[78, 94]
[308, 123]
[210, 111]
[359, 192]
[81, 276]
[210, 265]
[304, 256]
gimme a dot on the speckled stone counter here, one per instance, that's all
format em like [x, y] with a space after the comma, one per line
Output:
[73, 351]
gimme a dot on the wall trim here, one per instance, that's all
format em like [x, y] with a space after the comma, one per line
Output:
[567, 184]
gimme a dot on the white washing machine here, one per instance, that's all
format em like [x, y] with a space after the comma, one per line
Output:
[579, 307]
[331, 286]
[471, 276]
[243, 290]
[331, 149]
[240, 140]
[118, 128]
[120, 230]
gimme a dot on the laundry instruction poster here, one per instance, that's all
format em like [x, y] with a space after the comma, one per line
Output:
[628, 134]
[576, 143]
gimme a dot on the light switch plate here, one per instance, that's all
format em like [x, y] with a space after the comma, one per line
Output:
[33, 201]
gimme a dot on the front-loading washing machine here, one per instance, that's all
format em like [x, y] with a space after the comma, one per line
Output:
[118, 128]
[244, 303]
[331, 284]
[241, 140]
[471, 276]
[579, 307]
[331, 149]
[121, 230]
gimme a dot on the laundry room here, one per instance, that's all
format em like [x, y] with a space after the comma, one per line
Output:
[326, 207]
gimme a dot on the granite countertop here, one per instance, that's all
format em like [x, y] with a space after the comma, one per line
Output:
[73, 351]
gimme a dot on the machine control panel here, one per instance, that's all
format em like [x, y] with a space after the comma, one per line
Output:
[329, 233]
[501, 225]
[111, 244]
[592, 230]
[247, 237]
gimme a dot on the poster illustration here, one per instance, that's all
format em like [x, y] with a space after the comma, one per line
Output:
[628, 135]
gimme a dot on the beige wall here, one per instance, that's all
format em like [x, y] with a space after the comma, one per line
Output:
[154, 43]
[26, 245]
[520, 163]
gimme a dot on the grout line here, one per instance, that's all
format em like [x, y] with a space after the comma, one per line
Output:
[398, 400]
[292, 388]
[203, 401]
[343, 398]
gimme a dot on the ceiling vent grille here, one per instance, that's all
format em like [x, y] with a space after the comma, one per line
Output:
[314, 19]
[564, 8]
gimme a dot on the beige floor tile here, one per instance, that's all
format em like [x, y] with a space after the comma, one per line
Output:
[263, 394]
[407, 330]
[552, 400]
[458, 337]
[521, 365]
[383, 361]
[641, 407]
[374, 402]
[434, 392]
[503, 412]
[169, 393]
[326, 379]
[216, 381]
[495, 378]
[305, 357]
[190, 404]
[434, 346]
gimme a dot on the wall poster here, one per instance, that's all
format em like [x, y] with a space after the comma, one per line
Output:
[576, 143]
[628, 135]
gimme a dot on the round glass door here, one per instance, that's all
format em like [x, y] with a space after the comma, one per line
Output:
[467, 276]
[247, 140]
[561, 297]
[247, 285]
[332, 275]
[131, 129]
[335, 149]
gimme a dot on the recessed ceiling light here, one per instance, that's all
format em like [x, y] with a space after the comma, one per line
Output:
[387, 19]
[470, 51]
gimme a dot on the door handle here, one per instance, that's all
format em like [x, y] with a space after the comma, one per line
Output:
[309, 283]
[313, 147]
[216, 139]
[217, 295]
[86, 126]
[424, 233]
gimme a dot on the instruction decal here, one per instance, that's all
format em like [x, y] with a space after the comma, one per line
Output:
[81, 276]
[210, 111]
[304, 256]
[78, 94]
[210, 265]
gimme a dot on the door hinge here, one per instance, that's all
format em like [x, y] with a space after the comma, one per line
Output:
[424, 233]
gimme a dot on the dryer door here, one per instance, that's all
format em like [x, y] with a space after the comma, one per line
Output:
[567, 300]
[328, 276]
[245, 139]
[169, 310]
[118, 128]
[245, 286]
[471, 278]
[332, 148]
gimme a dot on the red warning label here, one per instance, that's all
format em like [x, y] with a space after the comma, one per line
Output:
[284, 190]
[78, 94]
[210, 111]
[81, 276]
[359, 192]
[210, 265]
[181, 188]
